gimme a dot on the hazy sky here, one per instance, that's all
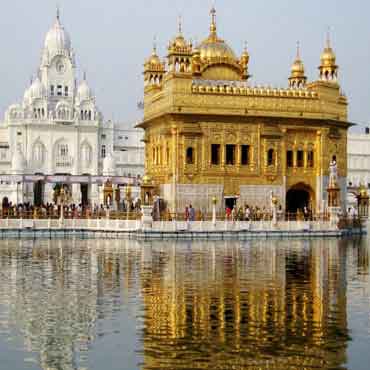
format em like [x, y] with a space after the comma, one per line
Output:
[113, 37]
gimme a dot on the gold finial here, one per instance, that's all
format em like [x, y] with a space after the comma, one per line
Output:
[154, 45]
[180, 25]
[328, 42]
[298, 50]
[245, 46]
[213, 21]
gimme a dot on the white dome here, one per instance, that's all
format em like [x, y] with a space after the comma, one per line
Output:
[18, 162]
[109, 166]
[57, 38]
[84, 92]
[36, 91]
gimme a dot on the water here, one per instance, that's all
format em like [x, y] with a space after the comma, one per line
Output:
[113, 304]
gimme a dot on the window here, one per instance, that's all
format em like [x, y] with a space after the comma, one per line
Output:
[289, 158]
[103, 136]
[63, 150]
[215, 153]
[103, 151]
[59, 90]
[270, 157]
[52, 90]
[65, 90]
[244, 160]
[19, 133]
[230, 154]
[189, 156]
[300, 162]
[310, 159]
[120, 137]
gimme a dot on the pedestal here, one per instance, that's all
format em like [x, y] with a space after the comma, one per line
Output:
[274, 215]
[146, 218]
[214, 215]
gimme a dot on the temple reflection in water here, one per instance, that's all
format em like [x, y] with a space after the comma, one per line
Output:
[222, 305]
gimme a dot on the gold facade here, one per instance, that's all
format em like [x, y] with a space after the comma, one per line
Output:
[205, 124]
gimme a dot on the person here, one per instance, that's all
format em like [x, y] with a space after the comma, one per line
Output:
[233, 214]
[247, 213]
[186, 213]
[305, 213]
[191, 213]
[228, 213]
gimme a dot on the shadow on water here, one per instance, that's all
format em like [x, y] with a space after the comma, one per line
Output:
[264, 304]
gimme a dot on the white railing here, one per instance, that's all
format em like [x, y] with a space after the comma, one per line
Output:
[63, 161]
[166, 226]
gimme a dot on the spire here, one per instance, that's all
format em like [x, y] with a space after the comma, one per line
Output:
[245, 47]
[84, 76]
[328, 42]
[154, 45]
[297, 77]
[213, 27]
[180, 25]
[58, 13]
[298, 57]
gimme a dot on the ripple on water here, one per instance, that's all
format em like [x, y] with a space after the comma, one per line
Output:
[165, 305]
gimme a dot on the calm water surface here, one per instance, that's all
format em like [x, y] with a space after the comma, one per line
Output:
[113, 304]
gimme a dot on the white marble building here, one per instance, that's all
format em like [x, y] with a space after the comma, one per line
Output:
[58, 129]
[358, 163]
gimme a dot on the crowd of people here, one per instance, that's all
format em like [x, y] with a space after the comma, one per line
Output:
[53, 210]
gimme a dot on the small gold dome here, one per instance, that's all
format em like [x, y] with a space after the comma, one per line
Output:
[179, 42]
[154, 59]
[146, 179]
[245, 56]
[297, 67]
[328, 57]
[363, 191]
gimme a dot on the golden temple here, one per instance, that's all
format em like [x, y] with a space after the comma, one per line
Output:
[210, 133]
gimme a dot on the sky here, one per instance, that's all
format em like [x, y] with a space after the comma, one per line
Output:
[112, 38]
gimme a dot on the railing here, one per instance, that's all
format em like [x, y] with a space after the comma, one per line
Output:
[42, 214]
[257, 216]
[127, 225]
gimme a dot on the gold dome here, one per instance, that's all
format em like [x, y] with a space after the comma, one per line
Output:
[245, 55]
[298, 66]
[328, 56]
[154, 58]
[146, 179]
[213, 47]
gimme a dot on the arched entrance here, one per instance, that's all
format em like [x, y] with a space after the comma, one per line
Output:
[298, 197]
[38, 192]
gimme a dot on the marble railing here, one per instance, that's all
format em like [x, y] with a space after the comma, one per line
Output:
[165, 226]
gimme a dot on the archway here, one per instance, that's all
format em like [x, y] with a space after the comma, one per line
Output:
[298, 197]
[38, 191]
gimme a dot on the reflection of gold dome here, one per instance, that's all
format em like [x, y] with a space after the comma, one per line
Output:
[213, 47]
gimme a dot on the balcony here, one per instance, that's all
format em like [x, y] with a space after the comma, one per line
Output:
[63, 161]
